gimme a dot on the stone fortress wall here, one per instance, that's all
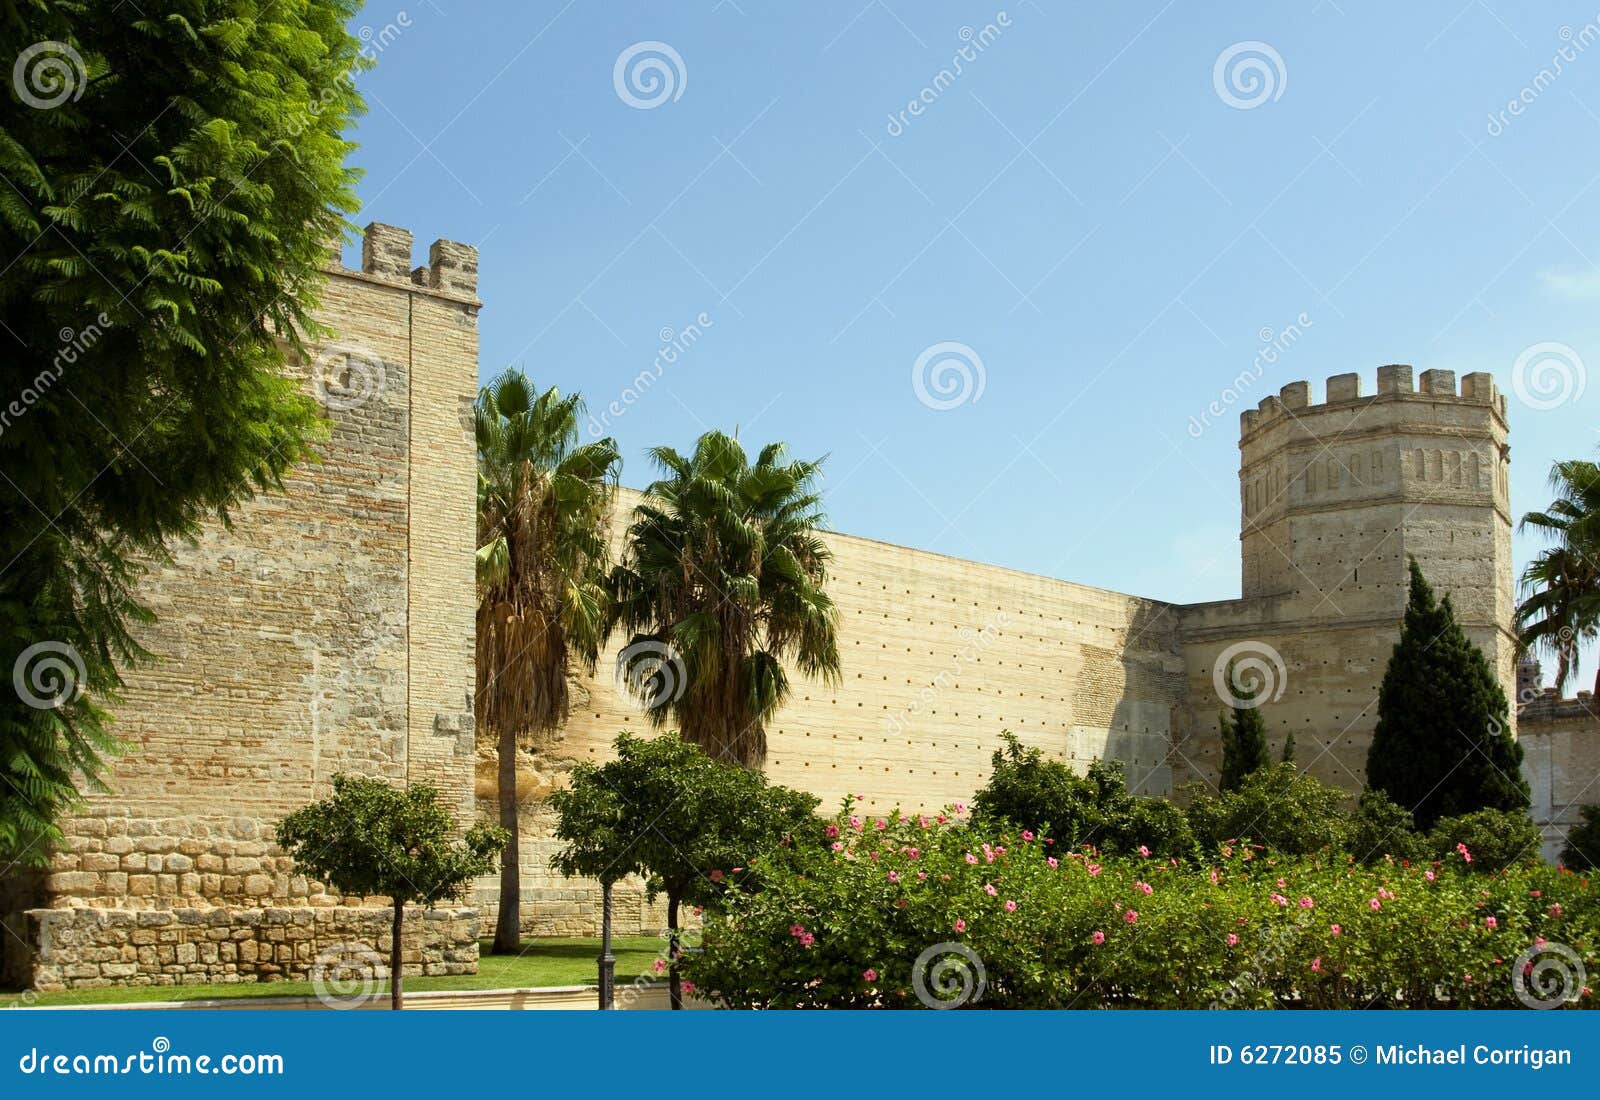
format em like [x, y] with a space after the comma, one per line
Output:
[332, 629]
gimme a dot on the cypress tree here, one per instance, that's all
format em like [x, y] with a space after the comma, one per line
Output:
[1288, 748]
[1442, 746]
[1244, 742]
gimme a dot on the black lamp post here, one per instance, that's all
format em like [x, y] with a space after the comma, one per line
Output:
[608, 961]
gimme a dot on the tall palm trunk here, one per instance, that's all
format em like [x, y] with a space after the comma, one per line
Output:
[508, 923]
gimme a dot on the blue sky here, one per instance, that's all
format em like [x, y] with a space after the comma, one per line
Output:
[1081, 207]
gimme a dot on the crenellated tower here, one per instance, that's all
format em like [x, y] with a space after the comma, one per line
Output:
[1334, 498]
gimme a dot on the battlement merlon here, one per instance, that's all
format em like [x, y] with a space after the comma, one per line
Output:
[1395, 383]
[452, 269]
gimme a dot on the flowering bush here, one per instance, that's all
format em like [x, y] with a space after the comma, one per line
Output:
[901, 911]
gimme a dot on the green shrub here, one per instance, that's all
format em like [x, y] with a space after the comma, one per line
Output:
[1493, 839]
[1382, 829]
[1046, 796]
[910, 912]
[1278, 806]
[1582, 852]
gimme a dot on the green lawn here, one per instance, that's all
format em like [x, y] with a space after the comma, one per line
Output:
[553, 961]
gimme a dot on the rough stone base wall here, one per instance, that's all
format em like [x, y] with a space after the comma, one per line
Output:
[91, 948]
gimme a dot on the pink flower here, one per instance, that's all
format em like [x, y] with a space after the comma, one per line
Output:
[870, 974]
[989, 889]
[716, 875]
[922, 822]
[961, 807]
[1466, 855]
[1316, 964]
[1233, 941]
[1144, 886]
[1213, 876]
[807, 939]
[1491, 923]
[1281, 884]
[1536, 893]
[1429, 875]
[1053, 862]
[658, 966]
[1279, 900]
[971, 858]
[1307, 903]
[1144, 852]
[855, 823]
[1098, 937]
[1374, 904]
[913, 853]
[922, 876]
[1092, 868]
[858, 798]
[894, 876]
[797, 930]
[838, 846]
[960, 925]
[833, 830]
[1011, 906]
[688, 987]
[1335, 929]
[1131, 916]
[1555, 910]
[881, 824]
[1027, 835]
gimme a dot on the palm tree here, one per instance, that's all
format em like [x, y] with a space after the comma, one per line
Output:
[1561, 602]
[722, 580]
[544, 503]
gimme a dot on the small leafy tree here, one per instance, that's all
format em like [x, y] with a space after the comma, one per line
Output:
[1442, 745]
[1494, 839]
[1029, 791]
[1582, 851]
[1290, 812]
[690, 824]
[1381, 828]
[1244, 740]
[369, 839]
